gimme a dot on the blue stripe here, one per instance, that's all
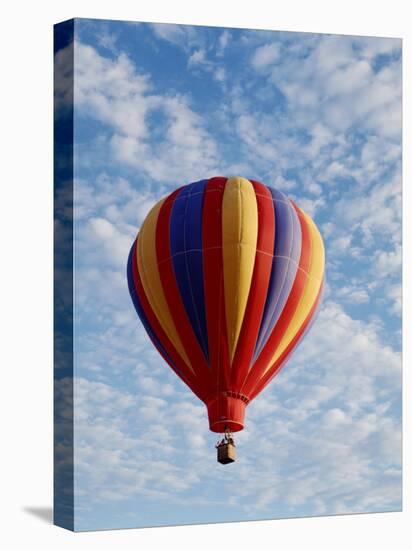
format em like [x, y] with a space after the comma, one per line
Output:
[139, 309]
[288, 242]
[187, 255]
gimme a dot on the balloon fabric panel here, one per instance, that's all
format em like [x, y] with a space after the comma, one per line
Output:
[259, 287]
[213, 282]
[239, 238]
[271, 372]
[312, 287]
[147, 314]
[179, 316]
[186, 250]
[139, 308]
[264, 359]
[149, 272]
[284, 264]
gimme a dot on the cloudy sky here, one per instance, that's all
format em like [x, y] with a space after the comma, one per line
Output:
[315, 116]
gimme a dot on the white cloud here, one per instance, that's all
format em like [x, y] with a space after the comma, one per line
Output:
[184, 151]
[377, 211]
[334, 417]
[394, 294]
[107, 39]
[168, 31]
[314, 188]
[198, 61]
[197, 57]
[284, 184]
[124, 317]
[378, 153]
[114, 200]
[321, 137]
[110, 245]
[335, 169]
[337, 87]
[112, 459]
[352, 77]
[113, 92]
[371, 47]
[311, 206]
[183, 36]
[220, 74]
[327, 229]
[327, 92]
[265, 55]
[353, 295]
[223, 42]
[388, 262]
[363, 348]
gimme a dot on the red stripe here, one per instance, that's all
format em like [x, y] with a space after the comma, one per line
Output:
[282, 360]
[292, 303]
[259, 286]
[188, 376]
[174, 300]
[213, 284]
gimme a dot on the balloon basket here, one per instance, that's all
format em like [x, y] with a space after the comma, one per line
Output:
[226, 449]
[226, 453]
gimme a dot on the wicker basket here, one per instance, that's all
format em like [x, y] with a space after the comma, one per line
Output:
[226, 453]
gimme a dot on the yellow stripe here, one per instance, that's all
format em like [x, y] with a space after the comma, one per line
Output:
[149, 273]
[312, 286]
[239, 238]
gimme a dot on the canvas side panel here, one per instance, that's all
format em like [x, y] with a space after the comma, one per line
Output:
[63, 512]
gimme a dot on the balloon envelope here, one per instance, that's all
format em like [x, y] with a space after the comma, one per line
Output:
[226, 275]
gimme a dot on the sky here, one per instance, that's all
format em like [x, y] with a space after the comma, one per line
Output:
[317, 117]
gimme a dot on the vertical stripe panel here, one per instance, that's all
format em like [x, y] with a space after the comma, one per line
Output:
[239, 239]
[313, 284]
[259, 286]
[285, 262]
[139, 308]
[274, 369]
[183, 370]
[265, 357]
[149, 273]
[187, 255]
[213, 283]
[172, 294]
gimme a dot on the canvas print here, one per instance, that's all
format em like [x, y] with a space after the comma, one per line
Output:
[227, 277]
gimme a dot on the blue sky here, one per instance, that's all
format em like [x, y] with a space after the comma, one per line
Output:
[316, 116]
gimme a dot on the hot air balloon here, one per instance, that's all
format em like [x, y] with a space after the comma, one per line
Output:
[226, 275]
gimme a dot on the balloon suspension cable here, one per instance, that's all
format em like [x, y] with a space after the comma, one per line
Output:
[226, 437]
[229, 436]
